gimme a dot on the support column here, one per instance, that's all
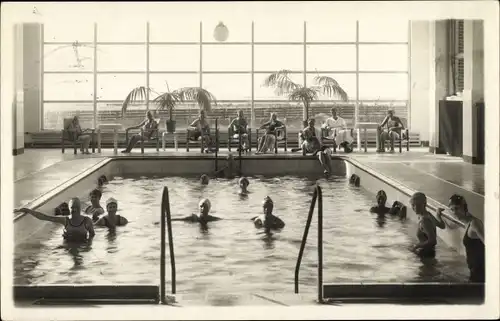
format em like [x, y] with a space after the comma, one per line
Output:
[438, 83]
[18, 93]
[473, 87]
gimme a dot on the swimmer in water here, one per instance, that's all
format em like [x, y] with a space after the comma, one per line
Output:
[111, 220]
[95, 209]
[77, 228]
[203, 217]
[380, 209]
[268, 220]
[204, 180]
[101, 181]
[243, 183]
[62, 209]
[426, 232]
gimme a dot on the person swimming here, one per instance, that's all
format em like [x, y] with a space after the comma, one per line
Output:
[62, 210]
[203, 218]
[243, 183]
[77, 228]
[268, 220]
[111, 220]
[380, 209]
[426, 231]
[95, 209]
[101, 181]
[204, 179]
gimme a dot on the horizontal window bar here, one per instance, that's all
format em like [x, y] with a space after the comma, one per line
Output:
[67, 72]
[231, 101]
[231, 72]
[173, 43]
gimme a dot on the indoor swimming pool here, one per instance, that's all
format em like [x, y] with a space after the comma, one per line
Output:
[233, 256]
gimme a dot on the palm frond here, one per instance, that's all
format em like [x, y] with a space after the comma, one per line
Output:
[135, 95]
[331, 87]
[203, 97]
[167, 100]
[303, 94]
[281, 82]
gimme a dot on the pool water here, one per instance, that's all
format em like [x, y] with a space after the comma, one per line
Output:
[232, 256]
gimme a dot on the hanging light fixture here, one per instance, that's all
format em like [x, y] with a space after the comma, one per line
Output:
[221, 33]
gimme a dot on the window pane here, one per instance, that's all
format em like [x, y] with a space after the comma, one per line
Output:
[346, 81]
[227, 58]
[383, 30]
[158, 82]
[279, 30]
[121, 58]
[68, 58]
[68, 87]
[229, 87]
[54, 114]
[59, 32]
[383, 57]
[239, 30]
[174, 30]
[117, 87]
[332, 30]
[383, 86]
[174, 58]
[273, 58]
[331, 58]
[112, 113]
[121, 31]
[265, 93]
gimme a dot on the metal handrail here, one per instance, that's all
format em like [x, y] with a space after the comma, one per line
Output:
[317, 196]
[216, 143]
[166, 217]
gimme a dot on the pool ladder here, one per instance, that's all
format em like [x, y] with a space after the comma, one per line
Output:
[166, 219]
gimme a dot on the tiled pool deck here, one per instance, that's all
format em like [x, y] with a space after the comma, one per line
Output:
[38, 171]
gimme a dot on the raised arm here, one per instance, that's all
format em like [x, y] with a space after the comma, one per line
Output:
[195, 123]
[439, 219]
[266, 124]
[42, 216]
[386, 119]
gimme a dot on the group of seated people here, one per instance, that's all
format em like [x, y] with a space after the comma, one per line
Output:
[425, 248]
[267, 220]
[78, 226]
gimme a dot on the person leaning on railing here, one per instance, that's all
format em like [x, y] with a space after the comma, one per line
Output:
[149, 126]
[267, 141]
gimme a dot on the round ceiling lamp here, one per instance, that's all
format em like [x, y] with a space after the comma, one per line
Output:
[221, 33]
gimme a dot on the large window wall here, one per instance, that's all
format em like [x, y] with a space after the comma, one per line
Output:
[89, 69]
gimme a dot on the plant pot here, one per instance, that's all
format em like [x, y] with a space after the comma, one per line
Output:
[170, 126]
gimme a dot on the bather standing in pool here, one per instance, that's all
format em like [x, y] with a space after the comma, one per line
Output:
[95, 209]
[243, 184]
[204, 179]
[111, 220]
[268, 220]
[426, 232]
[203, 217]
[77, 228]
[380, 209]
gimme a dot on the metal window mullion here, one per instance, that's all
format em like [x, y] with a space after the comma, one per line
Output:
[305, 54]
[94, 96]
[201, 55]
[356, 104]
[147, 66]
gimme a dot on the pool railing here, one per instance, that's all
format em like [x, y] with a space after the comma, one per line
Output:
[166, 218]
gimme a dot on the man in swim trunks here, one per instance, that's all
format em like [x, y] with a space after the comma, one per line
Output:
[111, 220]
[203, 218]
[239, 127]
[200, 129]
[392, 132]
[426, 231]
[268, 220]
[95, 209]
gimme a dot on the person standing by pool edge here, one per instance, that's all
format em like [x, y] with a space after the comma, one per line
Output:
[473, 238]
[426, 231]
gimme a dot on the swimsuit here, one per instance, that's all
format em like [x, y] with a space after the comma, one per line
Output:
[75, 233]
[474, 249]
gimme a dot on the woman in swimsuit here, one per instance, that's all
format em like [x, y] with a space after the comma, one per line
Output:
[243, 183]
[426, 232]
[203, 218]
[268, 220]
[78, 134]
[267, 141]
[111, 220]
[473, 238]
[95, 209]
[78, 228]
[380, 209]
[149, 125]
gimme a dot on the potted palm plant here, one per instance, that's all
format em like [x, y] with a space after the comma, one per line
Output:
[169, 99]
[285, 86]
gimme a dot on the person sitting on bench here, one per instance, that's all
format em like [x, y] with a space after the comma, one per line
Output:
[76, 132]
[149, 125]
[267, 142]
[392, 132]
[200, 128]
[337, 130]
[239, 126]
